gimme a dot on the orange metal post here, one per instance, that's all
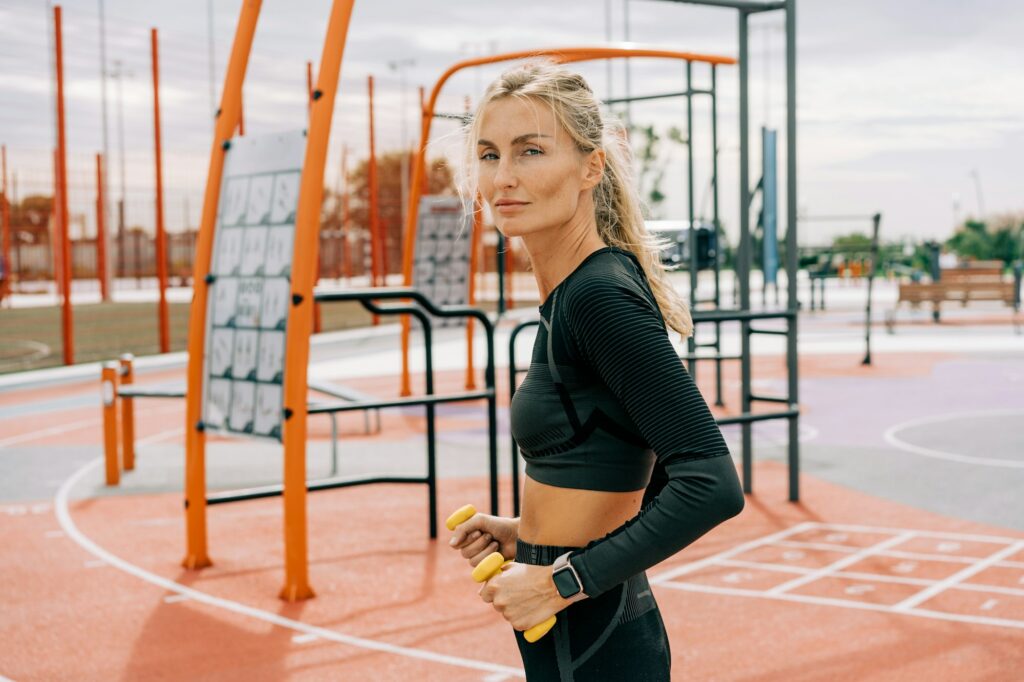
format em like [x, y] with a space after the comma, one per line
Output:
[241, 115]
[5, 216]
[108, 388]
[127, 413]
[228, 118]
[101, 232]
[374, 215]
[58, 273]
[317, 320]
[345, 214]
[307, 227]
[161, 236]
[62, 182]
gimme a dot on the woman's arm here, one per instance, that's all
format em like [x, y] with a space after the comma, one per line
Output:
[618, 331]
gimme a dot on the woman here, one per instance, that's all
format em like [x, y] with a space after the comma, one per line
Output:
[625, 465]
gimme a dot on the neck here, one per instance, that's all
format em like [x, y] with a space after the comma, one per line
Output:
[556, 253]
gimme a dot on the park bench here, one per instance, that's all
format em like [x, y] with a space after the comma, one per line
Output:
[960, 285]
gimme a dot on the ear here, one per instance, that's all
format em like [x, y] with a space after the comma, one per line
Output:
[593, 168]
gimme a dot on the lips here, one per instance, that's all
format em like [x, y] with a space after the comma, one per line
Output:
[509, 202]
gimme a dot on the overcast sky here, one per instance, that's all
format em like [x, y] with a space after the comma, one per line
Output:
[912, 108]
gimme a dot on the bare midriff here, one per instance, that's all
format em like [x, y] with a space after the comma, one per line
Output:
[570, 517]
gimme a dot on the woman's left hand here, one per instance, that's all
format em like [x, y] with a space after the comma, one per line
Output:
[524, 595]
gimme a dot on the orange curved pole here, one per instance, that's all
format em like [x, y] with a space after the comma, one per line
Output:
[228, 117]
[561, 55]
[307, 242]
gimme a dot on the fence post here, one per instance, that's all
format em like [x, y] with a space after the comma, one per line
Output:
[161, 237]
[127, 414]
[110, 449]
[101, 232]
[62, 210]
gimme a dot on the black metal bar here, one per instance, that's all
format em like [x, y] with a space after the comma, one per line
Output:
[717, 226]
[743, 5]
[667, 95]
[769, 399]
[312, 486]
[324, 408]
[748, 418]
[691, 215]
[367, 298]
[741, 315]
[875, 221]
[744, 261]
[792, 262]
[512, 372]
[770, 332]
[717, 357]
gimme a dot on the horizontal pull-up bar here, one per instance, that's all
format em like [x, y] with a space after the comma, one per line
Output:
[642, 98]
[743, 5]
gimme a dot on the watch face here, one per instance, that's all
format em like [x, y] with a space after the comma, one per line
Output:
[565, 583]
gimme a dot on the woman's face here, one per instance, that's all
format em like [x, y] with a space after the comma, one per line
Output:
[531, 174]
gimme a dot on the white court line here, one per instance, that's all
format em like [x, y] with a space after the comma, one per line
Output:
[64, 517]
[898, 554]
[995, 539]
[65, 428]
[892, 439]
[840, 564]
[723, 558]
[930, 592]
[707, 561]
[844, 603]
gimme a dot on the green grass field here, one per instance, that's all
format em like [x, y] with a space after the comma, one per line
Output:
[31, 338]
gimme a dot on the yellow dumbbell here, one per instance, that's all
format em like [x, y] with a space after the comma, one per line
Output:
[491, 566]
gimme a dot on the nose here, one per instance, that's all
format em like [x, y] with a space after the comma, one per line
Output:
[504, 175]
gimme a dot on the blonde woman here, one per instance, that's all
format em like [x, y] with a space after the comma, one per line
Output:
[625, 465]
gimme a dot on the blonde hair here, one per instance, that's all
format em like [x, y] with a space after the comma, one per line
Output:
[617, 204]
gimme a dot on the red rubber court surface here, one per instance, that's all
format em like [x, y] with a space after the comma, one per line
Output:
[842, 586]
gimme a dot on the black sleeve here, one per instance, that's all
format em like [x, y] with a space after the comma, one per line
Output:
[620, 334]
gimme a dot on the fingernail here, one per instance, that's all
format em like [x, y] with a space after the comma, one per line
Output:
[452, 542]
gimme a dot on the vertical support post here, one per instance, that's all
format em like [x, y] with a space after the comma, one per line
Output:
[55, 234]
[743, 259]
[345, 216]
[791, 254]
[317, 319]
[374, 212]
[307, 222]
[67, 323]
[228, 117]
[161, 236]
[716, 226]
[5, 216]
[474, 265]
[101, 232]
[108, 391]
[127, 413]
[691, 342]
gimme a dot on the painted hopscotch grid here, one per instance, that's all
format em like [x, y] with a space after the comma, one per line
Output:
[250, 278]
[948, 576]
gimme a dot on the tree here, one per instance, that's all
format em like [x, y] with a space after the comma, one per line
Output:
[389, 200]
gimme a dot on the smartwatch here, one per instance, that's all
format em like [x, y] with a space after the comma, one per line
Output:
[567, 580]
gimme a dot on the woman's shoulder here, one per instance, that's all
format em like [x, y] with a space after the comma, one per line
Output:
[609, 279]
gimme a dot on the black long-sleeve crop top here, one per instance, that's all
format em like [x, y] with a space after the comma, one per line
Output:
[607, 402]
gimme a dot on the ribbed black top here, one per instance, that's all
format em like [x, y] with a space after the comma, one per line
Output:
[610, 351]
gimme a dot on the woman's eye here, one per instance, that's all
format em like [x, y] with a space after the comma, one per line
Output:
[488, 156]
[532, 151]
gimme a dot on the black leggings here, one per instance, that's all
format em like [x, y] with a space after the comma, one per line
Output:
[616, 636]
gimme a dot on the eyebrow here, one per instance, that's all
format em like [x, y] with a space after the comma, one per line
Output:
[518, 140]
